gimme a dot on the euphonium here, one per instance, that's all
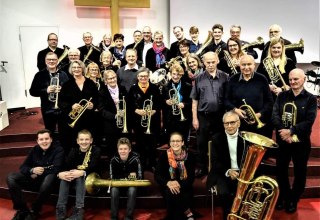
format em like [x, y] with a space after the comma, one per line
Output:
[75, 114]
[259, 43]
[86, 160]
[173, 60]
[251, 117]
[228, 58]
[176, 110]
[258, 201]
[64, 54]
[121, 118]
[94, 183]
[273, 72]
[289, 117]
[296, 46]
[53, 96]
[146, 119]
[206, 43]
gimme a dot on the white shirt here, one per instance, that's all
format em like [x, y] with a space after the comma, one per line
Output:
[146, 47]
[232, 144]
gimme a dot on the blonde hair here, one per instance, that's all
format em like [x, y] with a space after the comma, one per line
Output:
[90, 65]
[283, 58]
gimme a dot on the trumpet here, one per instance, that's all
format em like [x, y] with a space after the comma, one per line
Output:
[121, 119]
[251, 117]
[296, 46]
[230, 63]
[53, 96]
[75, 114]
[273, 72]
[289, 117]
[146, 119]
[176, 110]
[64, 54]
[259, 43]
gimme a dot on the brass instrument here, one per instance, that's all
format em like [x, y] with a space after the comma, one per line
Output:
[289, 117]
[94, 183]
[159, 78]
[75, 114]
[136, 44]
[176, 110]
[205, 44]
[251, 117]
[178, 59]
[86, 160]
[121, 120]
[146, 119]
[92, 47]
[273, 72]
[259, 43]
[218, 50]
[258, 201]
[296, 46]
[209, 155]
[64, 54]
[97, 84]
[230, 63]
[53, 96]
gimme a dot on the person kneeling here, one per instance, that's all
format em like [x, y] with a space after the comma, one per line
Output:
[79, 163]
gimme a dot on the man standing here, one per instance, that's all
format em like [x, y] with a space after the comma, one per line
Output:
[207, 106]
[293, 115]
[174, 47]
[217, 45]
[144, 45]
[137, 36]
[47, 84]
[73, 54]
[89, 51]
[227, 153]
[38, 172]
[52, 47]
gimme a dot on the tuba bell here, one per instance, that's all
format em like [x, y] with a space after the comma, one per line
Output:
[121, 117]
[258, 201]
[146, 119]
[176, 110]
[273, 72]
[289, 117]
[259, 43]
[64, 54]
[296, 46]
[75, 114]
[251, 117]
[205, 44]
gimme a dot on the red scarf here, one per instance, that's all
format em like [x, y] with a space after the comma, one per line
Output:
[160, 59]
[177, 161]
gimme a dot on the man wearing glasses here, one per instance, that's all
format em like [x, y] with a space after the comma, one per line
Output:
[87, 48]
[275, 31]
[52, 47]
[144, 45]
[226, 157]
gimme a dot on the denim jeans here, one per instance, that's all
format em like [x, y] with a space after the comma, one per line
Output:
[64, 192]
[18, 181]
[115, 195]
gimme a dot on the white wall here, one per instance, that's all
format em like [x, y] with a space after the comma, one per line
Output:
[72, 22]
[298, 19]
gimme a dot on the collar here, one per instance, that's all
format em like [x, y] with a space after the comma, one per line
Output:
[241, 77]
[209, 75]
[233, 136]
[126, 67]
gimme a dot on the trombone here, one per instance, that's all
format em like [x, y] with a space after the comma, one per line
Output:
[175, 100]
[146, 119]
[121, 117]
[53, 96]
[75, 114]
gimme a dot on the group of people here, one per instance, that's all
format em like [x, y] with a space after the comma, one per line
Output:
[107, 91]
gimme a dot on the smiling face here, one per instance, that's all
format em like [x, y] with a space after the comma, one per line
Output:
[84, 141]
[106, 58]
[176, 143]
[231, 124]
[147, 34]
[247, 66]
[233, 47]
[217, 34]
[53, 41]
[158, 39]
[124, 150]
[44, 141]
[193, 63]
[110, 78]
[178, 33]
[131, 57]
[235, 33]
[87, 38]
[51, 61]
[297, 79]
[276, 50]
[76, 69]
[143, 78]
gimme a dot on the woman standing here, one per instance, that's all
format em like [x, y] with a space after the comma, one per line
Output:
[194, 66]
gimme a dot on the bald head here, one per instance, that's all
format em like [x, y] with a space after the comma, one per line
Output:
[296, 80]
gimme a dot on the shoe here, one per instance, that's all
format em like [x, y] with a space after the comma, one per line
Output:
[291, 207]
[61, 213]
[279, 205]
[77, 214]
[20, 215]
[200, 173]
[32, 215]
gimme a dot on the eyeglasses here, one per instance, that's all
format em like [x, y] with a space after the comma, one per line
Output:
[146, 32]
[52, 39]
[143, 76]
[233, 45]
[51, 59]
[176, 141]
[76, 67]
[271, 32]
[93, 69]
[232, 123]
[112, 78]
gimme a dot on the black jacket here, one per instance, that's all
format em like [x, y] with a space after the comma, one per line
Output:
[120, 169]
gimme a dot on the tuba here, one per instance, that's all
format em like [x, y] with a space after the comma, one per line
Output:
[75, 114]
[296, 46]
[146, 119]
[174, 97]
[159, 78]
[64, 54]
[94, 183]
[228, 58]
[122, 120]
[53, 96]
[86, 160]
[273, 72]
[206, 43]
[289, 117]
[259, 43]
[251, 117]
[258, 201]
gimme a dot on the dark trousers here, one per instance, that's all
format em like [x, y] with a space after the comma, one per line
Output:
[209, 124]
[18, 181]
[299, 154]
[146, 145]
[131, 202]
[51, 120]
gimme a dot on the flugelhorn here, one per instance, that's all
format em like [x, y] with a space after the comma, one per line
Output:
[251, 117]
[258, 201]
[259, 43]
[64, 54]
[75, 114]
[175, 100]
[146, 119]
[289, 117]
[273, 72]
[53, 96]
[296, 46]
[121, 118]
[230, 63]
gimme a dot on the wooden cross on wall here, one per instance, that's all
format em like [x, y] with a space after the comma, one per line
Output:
[114, 8]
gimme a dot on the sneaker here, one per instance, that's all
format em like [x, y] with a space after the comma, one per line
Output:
[61, 213]
[20, 215]
[77, 214]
